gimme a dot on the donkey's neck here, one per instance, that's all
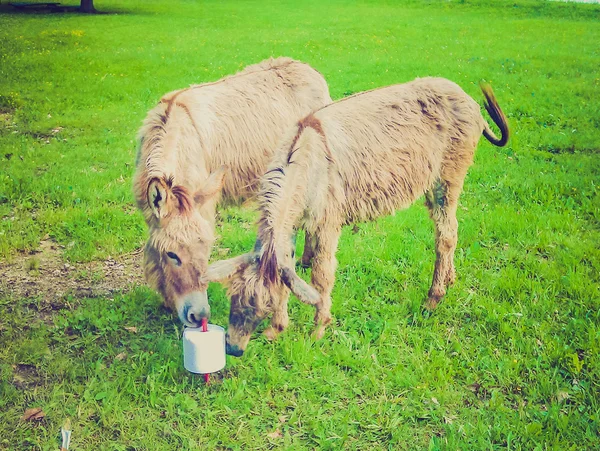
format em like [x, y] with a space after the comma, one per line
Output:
[284, 245]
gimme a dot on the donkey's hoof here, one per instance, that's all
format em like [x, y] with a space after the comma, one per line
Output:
[271, 333]
[432, 302]
[319, 332]
[320, 327]
[451, 277]
[303, 264]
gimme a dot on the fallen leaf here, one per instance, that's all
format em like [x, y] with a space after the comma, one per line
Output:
[562, 395]
[435, 401]
[474, 387]
[121, 356]
[283, 418]
[33, 414]
[275, 434]
[131, 329]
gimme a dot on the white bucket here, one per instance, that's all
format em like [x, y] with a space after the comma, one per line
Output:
[204, 352]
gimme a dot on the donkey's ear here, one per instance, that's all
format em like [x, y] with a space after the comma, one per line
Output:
[224, 269]
[212, 187]
[158, 197]
[299, 287]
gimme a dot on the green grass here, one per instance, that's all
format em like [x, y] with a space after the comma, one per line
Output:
[508, 361]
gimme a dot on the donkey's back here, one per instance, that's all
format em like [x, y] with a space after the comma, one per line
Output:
[391, 145]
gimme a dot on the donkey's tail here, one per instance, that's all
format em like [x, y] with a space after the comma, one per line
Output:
[493, 109]
[282, 201]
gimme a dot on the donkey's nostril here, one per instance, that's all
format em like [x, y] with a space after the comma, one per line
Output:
[192, 312]
[195, 317]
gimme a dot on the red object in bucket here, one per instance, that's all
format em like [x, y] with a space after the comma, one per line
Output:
[205, 329]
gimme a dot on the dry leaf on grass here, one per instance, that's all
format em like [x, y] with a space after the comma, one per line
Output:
[132, 329]
[474, 387]
[33, 414]
[275, 434]
[121, 356]
[562, 395]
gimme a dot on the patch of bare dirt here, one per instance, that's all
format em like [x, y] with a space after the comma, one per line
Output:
[44, 274]
[25, 376]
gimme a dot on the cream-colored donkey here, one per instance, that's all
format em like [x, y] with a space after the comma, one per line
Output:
[359, 158]
[200, 142]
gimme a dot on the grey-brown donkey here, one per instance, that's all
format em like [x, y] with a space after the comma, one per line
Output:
[359, 158]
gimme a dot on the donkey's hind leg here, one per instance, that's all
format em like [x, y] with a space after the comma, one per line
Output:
[442, 201]
[309, 251]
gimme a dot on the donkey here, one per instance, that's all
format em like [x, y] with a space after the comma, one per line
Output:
[200, 143]
[355, 160]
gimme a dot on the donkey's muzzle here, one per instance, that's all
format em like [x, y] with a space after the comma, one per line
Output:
[233, 350]
[195, 308]
[194, 316]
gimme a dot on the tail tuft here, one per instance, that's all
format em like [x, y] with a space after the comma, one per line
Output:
[497, 115]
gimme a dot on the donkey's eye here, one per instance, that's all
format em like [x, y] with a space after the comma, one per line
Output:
[174, 258]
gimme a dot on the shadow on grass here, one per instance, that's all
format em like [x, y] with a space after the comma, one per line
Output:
[7, 9]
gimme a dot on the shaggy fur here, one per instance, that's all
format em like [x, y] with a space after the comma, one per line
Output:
[203, 141]
[355, 160]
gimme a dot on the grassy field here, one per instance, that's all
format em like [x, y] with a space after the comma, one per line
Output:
[510, 359]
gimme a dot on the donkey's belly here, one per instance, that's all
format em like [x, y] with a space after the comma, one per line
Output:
[382, 187]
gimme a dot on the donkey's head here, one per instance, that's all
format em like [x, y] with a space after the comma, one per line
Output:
[254, 295]
[181, 237]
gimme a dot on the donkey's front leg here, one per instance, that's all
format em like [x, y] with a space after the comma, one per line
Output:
[323, 276]
[280, 318]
